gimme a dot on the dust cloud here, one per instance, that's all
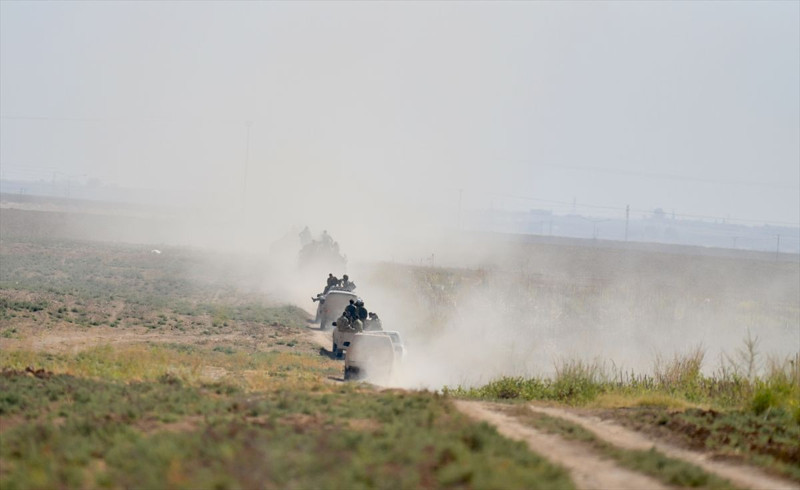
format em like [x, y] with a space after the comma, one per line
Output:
[531, 308]
[478, 307]
[472, 307]
[232, 126]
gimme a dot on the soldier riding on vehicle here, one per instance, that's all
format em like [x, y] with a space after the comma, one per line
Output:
[346, 284]
[373, 323]
[331, 283]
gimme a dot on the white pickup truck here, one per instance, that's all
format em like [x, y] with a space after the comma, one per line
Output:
[342, 337]
[373, 356]
[332, 305]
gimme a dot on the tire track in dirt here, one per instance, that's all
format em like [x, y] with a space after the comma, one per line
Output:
[588, 470]
[321, 338]
[738, 474]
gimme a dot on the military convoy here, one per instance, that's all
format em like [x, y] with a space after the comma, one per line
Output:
[369, 352]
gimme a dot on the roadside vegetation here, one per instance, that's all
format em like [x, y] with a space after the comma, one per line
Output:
[677, 383]
[124, 368]
[744, 405]
[754, 418]
[274, 425]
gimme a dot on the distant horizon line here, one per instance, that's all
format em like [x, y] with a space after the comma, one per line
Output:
[667, 214]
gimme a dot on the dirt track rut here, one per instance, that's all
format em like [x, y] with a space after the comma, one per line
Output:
[320, 337]
[740, 475]
[588, 471]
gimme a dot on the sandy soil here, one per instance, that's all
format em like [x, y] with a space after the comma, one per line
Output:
[321, 338]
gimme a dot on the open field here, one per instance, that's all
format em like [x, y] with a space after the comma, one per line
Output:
[123, 367]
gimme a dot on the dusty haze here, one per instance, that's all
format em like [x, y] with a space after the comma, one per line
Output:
[378, 122]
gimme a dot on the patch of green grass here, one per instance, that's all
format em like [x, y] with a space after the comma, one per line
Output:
[678, 379]
[251, 370]
[221, 314]
[9, 304]
[224, 349]
[76, 432]
[574, 385]
[768, 440]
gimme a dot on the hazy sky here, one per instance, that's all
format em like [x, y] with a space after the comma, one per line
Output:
[688, 106]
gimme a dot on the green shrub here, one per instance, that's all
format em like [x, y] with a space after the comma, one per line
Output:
[764, 399]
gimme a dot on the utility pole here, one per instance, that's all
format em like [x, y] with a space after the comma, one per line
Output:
[778, 247]
[734, 241]
[627, 218]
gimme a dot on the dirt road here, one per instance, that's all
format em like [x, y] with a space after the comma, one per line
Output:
[321, 338]
[738, 474]
[589, 470]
